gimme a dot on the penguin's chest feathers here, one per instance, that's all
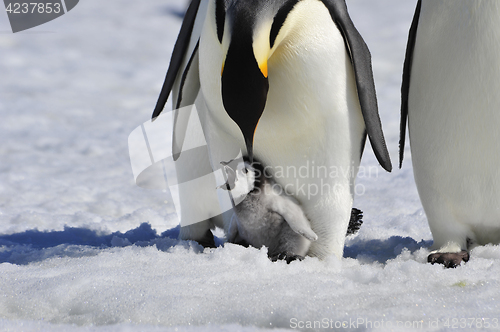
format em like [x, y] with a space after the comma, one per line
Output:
[308, 106]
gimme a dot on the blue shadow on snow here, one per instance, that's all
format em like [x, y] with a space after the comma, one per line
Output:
[383, 250]
[34, 245]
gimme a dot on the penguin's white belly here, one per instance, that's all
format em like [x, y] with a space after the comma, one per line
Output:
[312, 108]
[454, 119]
[312, 121]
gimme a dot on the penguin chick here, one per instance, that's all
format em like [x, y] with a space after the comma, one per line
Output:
[269, 217]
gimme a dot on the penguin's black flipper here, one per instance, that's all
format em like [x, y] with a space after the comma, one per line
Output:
[188, 88]
[182, 77]
[405, 86]
[178, 55]
[355, 222]
[361, 62]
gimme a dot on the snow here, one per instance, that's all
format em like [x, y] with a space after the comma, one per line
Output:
[82, 248]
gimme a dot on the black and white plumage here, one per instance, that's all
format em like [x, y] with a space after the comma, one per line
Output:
[450, 99]
[268, 216]
[287, 81]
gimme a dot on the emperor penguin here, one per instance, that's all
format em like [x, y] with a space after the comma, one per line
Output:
[451, 100]
[287, 81]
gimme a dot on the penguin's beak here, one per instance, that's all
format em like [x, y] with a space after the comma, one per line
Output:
[244, 85]
[263, 68]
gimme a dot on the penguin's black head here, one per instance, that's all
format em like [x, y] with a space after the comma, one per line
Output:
[249, 28]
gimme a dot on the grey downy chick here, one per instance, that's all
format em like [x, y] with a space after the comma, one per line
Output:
[268, 216]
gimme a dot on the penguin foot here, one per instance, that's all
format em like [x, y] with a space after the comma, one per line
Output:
[208, 240]
[449, 259]
[285, 256]
[241, 242]
[355, 222]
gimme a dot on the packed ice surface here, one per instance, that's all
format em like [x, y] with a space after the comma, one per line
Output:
[82, 248]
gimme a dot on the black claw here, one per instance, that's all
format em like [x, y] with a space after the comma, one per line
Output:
[285, 256]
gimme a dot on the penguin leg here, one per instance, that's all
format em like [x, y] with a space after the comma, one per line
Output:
[199, 205]
[449, 259]
[207, 241]
[287, 251]
[330, 217]
[233, 235]
[451, 236]
[452, 254]
[201, 231]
